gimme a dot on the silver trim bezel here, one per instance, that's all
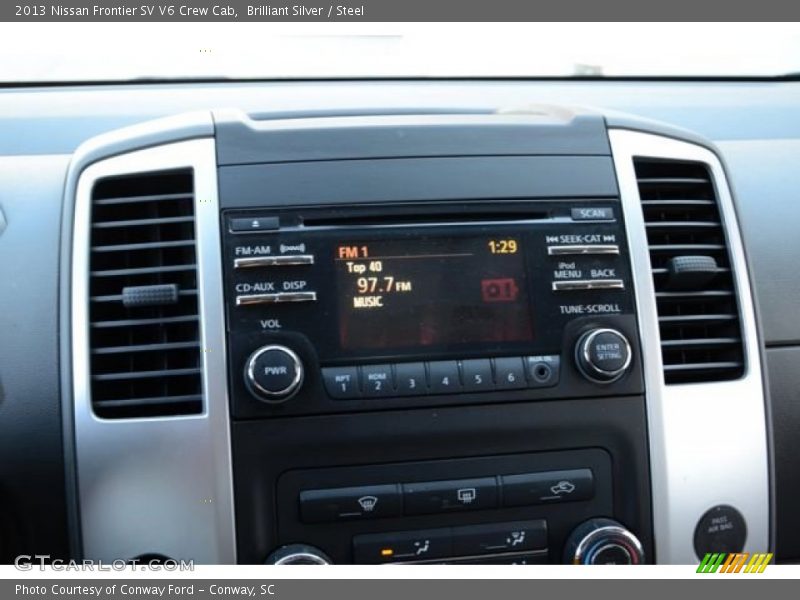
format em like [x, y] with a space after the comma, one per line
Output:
[708, 441]
[139, 481]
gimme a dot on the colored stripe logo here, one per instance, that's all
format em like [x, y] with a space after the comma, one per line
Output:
[737, 562]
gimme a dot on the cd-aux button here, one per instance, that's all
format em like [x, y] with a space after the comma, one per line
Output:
[279, 298]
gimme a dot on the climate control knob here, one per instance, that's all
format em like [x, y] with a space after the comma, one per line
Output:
[603, 355]
[298, 554]
[273, 374]
[602, 542]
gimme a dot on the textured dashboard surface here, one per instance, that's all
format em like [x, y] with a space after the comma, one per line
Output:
[766, 177]
[32, 494]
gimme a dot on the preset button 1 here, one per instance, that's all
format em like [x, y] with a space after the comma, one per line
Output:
[341, 382]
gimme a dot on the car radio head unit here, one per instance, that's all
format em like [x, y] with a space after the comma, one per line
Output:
[428, 300]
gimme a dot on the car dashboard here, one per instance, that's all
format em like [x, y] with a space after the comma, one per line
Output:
[410, 321]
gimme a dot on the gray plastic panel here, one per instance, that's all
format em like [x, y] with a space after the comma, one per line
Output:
[766, 177]
[335, 182]
[241, 140]
[32, 490]
[784, 383]
[71, 114]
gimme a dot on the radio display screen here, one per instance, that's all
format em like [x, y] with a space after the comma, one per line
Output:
[408, 292]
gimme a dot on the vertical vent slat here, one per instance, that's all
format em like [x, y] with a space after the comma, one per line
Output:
[145, 360]
[697, 311]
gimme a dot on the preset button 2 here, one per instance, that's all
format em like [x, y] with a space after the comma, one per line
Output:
[377, 380]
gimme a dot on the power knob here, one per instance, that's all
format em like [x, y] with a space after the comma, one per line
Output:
[273, 374]
[603, 542]
[603, 355]
[298, 554]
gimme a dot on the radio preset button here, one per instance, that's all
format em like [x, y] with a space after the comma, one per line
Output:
[444, 377]
[431, 497]
[377, 380]
[341, 382]
[583, 249]
[278, 298]
[477, 374]
[588, 284]
[273, 261]
[510, 373]
[410, 379]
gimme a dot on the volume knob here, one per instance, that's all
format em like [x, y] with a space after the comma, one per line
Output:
[273, 374]
[603, 355]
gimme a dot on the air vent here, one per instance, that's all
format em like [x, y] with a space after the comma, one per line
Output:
[144, 324]
[695, 294]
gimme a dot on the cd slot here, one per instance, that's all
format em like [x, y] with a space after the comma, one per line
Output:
[385, 219]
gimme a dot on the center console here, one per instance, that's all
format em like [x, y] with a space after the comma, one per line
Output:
[420, 376]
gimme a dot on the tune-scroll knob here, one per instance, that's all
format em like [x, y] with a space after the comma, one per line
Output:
[602, 542]
[603, 355]
[273, 373]
[298, 554]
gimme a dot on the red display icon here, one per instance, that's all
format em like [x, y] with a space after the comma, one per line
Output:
[499, 290]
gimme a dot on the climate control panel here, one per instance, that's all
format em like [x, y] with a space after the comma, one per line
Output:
[517, 509]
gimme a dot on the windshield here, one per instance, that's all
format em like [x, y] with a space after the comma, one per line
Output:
[42, 52]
